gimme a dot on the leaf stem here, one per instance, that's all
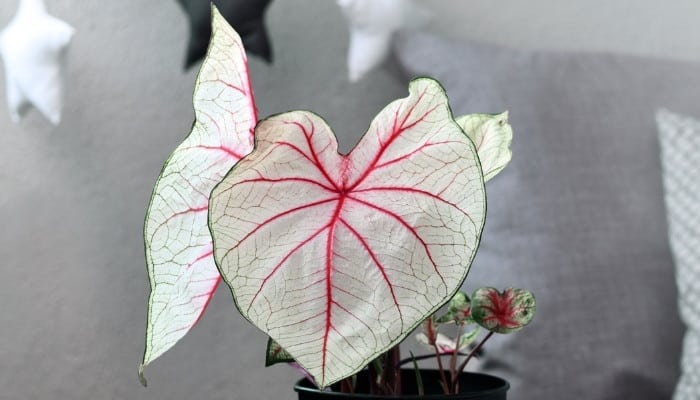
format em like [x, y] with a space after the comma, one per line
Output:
[346, 385]
[376, 371]
[441, 368]
[455, 379]
[453, 359]
[393, 373]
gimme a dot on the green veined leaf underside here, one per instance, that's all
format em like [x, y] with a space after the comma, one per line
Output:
[178, 244]
[275, 354]
[338, 257]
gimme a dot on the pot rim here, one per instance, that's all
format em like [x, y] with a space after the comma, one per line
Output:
[304, 385]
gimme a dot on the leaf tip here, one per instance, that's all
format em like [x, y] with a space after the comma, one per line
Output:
[215, 11]
[503, 118]
[217, 19]
[142, 378]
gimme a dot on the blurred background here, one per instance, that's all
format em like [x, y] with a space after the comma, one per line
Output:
[73, 281]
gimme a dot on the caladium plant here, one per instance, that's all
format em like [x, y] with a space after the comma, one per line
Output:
[336, 257]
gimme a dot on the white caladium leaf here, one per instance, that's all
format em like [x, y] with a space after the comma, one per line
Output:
[181, 267]
[443, 342]
[492, 136]
[447, 345]
[338, 257]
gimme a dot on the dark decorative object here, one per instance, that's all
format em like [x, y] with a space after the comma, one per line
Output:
[246, 16]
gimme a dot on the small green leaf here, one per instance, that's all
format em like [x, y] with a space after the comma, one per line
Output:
[419, 378]
[276, 354]
[459, 310]
[503, 312]
[492, 136]
[468, 338]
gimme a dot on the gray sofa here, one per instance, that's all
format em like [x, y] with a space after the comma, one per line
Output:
[578, 216]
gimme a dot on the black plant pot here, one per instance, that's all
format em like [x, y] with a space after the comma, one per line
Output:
[473, 386]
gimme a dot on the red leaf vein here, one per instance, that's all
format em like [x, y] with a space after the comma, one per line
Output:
[408, 227]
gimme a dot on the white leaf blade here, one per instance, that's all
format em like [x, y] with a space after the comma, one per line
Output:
[492, 136]
[300, 232]
[178, 244]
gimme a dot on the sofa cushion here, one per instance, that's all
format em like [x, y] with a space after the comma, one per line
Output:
[680, 158]
[578, 216]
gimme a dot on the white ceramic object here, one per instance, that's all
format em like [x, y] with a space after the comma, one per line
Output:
[372, 25]
[32, 47]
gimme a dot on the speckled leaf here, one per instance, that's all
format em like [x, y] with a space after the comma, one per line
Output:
[459, 310]
[276, 354]
[181, 267]
[492, 136]
[338, 257]
[503, 312]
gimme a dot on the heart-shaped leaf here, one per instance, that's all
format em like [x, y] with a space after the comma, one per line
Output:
[338, 257]
[181, 267]
[503, 312]
[492, 136]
